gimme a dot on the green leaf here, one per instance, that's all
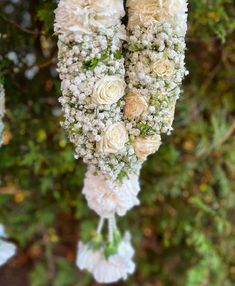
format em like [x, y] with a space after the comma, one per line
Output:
[91, 64]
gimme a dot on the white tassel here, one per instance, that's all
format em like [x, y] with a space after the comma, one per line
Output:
[100, 225]
[111, 228]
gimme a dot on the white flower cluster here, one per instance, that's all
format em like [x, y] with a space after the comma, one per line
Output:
[7, 249]
[2, 111]
[155, 67]
[107, 198]
[107, 269]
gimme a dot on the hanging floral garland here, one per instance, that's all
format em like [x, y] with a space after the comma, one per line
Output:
[117, 107]
[2, 111]
[7, 249]
[155, 67]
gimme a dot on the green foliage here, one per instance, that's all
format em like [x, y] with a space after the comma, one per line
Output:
[91, 64]
[46, 15]
[184, 229]
[144, 128]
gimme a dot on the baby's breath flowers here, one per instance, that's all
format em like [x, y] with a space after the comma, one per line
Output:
[155, 68]
[108, 90]
[2, 111]
[91, 67]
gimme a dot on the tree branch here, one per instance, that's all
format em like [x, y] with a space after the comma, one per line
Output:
[19, 27]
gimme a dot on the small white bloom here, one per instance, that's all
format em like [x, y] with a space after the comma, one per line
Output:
[107, 270]
[135, 105]
[87, 259]
[112, 270]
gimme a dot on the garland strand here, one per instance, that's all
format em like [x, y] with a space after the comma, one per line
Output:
[116, 108]
[7, 249]
[155, 69]
[2, 111]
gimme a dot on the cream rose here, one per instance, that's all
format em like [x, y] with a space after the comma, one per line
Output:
[145, 146]
[163, 68]
[135, 106]
[114, 139]
[108, 90]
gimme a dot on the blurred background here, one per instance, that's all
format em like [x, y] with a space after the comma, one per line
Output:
[184, 230]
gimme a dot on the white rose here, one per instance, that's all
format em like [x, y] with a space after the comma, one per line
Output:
[87, 258]
[145, 146]
[135, 106]
[108, 90]
[163, 68]
[114, 139]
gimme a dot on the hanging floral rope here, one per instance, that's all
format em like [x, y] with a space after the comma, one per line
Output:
[155, 68]
[2, 111]
[91, 67]
[116, 108]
